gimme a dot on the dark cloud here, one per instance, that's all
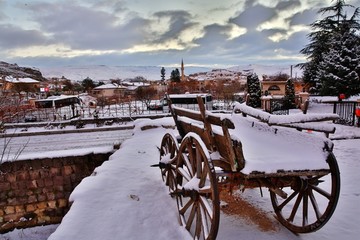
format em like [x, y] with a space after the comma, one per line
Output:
[305, 17]
[115, 5]
[287, 5]
[179, 21]
[215, 45]
[295, 43]
[215, 36]
[253, 16]
[13, 37]
[86, 28]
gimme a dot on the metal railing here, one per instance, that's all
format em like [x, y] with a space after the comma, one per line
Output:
[346, 112]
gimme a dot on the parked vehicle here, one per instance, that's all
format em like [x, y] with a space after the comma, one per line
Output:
[188, 101]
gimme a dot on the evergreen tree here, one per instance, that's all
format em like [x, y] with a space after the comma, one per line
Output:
[326, 38]
[289, 94]
[339, 71]
[88, 84]
[162, 71]
[175, 75]
[254, 91]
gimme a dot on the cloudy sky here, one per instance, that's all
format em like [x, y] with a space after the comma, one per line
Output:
[222, 33]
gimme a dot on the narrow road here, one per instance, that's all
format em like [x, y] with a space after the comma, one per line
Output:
[65, 141]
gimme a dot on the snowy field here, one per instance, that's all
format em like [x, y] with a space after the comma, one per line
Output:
[126, 199]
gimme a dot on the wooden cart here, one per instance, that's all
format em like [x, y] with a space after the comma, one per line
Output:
[209, 160]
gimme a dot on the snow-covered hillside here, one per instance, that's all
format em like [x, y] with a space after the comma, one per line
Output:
[103, 72]
[268, 70]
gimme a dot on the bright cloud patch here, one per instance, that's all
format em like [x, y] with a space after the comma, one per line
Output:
[56, 50]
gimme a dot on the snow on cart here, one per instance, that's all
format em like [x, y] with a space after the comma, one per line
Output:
[215, 153]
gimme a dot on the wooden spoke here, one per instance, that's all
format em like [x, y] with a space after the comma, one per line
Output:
[190, 220]
[197, 198]
[322, 192]
[198, 224]
[315, 205]
[204, 223]
[305, 209]
[295, 208]
[184, 174]
[206, 206]
[186, 206]
[168, 157]
[278, 208]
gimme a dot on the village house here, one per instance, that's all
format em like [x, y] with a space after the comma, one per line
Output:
[22, 88]
[111, 92]
[10, 83]
[275, 89]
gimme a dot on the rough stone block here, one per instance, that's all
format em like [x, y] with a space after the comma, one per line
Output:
[22, 200]
[19, 209]
[34, 174]
[21, 185]
[19, 193]
[62, 203]
[12, 201]
[41, 205]
[30, 207]
[50, 196]
[32, 199]
[48, 182]
[9, 209]
[32, 184]
[40, 183]
[55, 171]
[10, 177]
[58, 181]
[59, 195]
[67, 170]
[4, 186]
[22, 176]
[44, 173]
[52, 204]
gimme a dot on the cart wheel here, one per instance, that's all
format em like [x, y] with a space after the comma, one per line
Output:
[168, 153]
[197, 194]
[310, 202]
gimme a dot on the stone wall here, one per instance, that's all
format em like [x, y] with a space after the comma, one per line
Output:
[36, 192]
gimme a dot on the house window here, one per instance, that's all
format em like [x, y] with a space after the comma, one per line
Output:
[274, 88]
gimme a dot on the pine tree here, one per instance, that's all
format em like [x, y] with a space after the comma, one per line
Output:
[254, 91]
[162, 71]
[175, 75]
[289, 94]
[327, 38]
[339, 71]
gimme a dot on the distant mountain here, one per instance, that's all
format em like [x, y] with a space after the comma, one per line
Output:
[102, 72]
[8, 69]
[268, 70]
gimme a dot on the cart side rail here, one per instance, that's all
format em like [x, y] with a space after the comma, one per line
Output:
[298, 121]
[214, 132]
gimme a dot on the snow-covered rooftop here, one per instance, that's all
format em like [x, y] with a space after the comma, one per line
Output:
[20, 80]
[110, 86]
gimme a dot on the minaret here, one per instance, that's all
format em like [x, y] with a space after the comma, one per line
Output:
[182, 71]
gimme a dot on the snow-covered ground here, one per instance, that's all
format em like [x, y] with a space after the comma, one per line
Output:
[126, 199]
